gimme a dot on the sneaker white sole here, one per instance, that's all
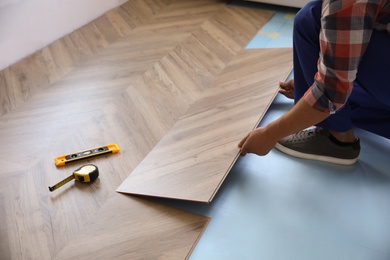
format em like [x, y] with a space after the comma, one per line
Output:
[321, 158]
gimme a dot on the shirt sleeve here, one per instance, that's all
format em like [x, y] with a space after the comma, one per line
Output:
[346, 28]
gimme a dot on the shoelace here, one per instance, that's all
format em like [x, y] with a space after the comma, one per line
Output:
[306, 134]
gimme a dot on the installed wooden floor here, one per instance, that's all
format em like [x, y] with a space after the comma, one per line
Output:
[128, 78]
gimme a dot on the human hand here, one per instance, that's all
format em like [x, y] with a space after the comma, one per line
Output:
[258, 141]
[287, 88]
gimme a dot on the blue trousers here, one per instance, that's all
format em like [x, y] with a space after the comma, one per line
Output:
[368, 106]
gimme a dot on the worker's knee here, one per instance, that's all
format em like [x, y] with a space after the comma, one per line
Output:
[307, 20]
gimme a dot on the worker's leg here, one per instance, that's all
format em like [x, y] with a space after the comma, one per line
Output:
[316, 144]
[368, 111]
[366, 107]
[306, 53]
[306, 46]
[370, 99]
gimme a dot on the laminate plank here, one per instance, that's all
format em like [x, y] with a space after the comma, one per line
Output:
[136, 229]
[120, 21]
[193, 158]
[4, 242]
[141, 11]
[6, 92]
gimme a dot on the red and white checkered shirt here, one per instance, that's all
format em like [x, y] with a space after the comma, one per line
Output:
[346, 28]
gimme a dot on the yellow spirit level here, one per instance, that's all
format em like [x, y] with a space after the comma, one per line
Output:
[68, 158]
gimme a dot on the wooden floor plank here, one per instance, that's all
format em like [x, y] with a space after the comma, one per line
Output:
[148, 227]
[194, 157]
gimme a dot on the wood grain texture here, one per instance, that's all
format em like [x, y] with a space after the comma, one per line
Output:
[149, 226]
[31, 75]
[125, 78]
[194, 157]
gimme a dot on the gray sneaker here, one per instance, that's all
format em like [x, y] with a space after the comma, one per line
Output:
[318, 144]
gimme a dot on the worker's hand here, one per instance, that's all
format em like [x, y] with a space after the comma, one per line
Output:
[258, 141]
[287, 88]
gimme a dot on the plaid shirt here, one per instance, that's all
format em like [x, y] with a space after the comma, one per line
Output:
[346, 28]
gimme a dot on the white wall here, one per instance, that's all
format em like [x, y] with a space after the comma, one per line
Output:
[29, 25]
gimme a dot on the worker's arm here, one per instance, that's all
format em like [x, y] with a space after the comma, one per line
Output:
[261, 140]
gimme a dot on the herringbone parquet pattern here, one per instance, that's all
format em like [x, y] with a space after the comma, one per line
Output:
[128, 78]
